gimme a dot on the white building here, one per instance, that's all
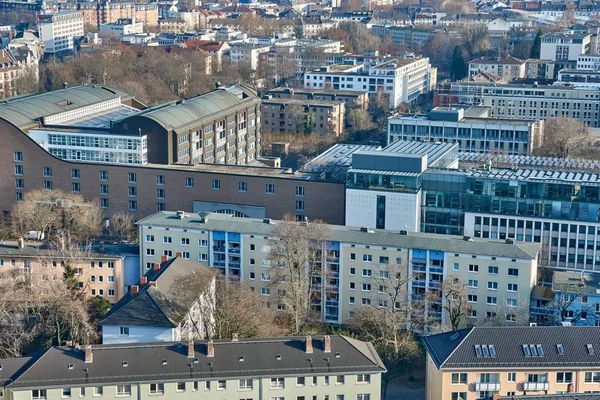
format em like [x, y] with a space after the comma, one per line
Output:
[148, 313]
[58, 31]
[565, 46]
[122, 27]
[471, 128]
[249, 53]
[92, 146]
[400, 79]
[508, 68]
[588, 62]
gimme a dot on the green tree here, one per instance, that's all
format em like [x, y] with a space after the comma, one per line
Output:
[98, 307]
[309, 126]
[458, 70]
[537, 45]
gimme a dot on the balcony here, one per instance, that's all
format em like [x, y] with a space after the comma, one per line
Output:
[418, 283]
[234, 265]
[331, 303]
[219, 263]
[335, 260]
[219, 249]
[419, 268]
[234, 250]
[541, 311]
[535, 386]
[435, 284]
[487, 386]
[436, 270]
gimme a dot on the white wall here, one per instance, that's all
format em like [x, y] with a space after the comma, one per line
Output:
[137, 334]
[402, 210]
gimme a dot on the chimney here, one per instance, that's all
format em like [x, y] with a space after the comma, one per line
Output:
[143, 281]
[164, 259]
[179, 254]
[327, 340]
[88, 354]
[156, 267]
[191, 352]
[21, 243]
[153, 283]
[210, 349]
[235, 337]
[133, 290]
[570, 388]
[309, 346]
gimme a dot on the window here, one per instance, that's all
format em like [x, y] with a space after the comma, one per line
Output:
[493, 270]
[513, 272]
[98, 391]
[66, 392]
[160, 180]
[111, 292]
[132, 205]
[459, 378]
[299, 205]
[104, 203]
[149, 252]
[352, 256]
[472, 298]
[48, 185]
[473, 268]
[131, 177]
[18, 170]
[180, 387]
[511, 377]
[512, 287]
[75, 173]
[160, 193]
[104, 189]
[365, 396]
[167, 239]
[592, 377]
[511, 302]
[367, 258]
[47, 172]
[216, 184]
[150, 238]
[299, 191]
[160, 206]
[270, 188]
[300, 381]
[185, 241]
[493, 285]
[75, 187]
[18, 158]
[492, 300]
[157, 388]
[366, 287]
[103, 175]
[123, 390]
[277, 383]
[455, 267]
[458, 396]
[367, 273]
[363, 378]
[203, 243]
[339, 380]
[189, 182]
[326, 380]
[207, 385]
[38, 394]
[564, 377]
[242, 186]
[473, 283]
[265, 291]
[124, 331]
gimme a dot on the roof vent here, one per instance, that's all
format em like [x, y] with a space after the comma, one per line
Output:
[403, 232]
[278, 356]
[366, 229]
[181, 214]
[125, 363]
[337, 355]
[164, 361]
[241, 358]
[467, 238]
[70, 366]
[267, 221]
[510, 241]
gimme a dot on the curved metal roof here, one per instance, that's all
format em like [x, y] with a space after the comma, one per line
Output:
[24, 111]
[186, 113]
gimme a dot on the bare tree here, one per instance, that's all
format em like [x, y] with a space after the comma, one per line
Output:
[564, 138]
[454, 302]
[123, 225]
[570, 302]
[297, 267]
[513, 312]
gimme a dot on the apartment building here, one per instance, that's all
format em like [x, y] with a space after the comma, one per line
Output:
[14, 63]
[402, 80]
[519, 101]
[482, 362]
[106, 270]
[59, 31]
[296, 116]
[121, 27]
[247, 53]
[408, 35]
[221, 127]
[149, 312]
[105, 11]
[356, 262]
[565, 47]
[324, 367]
[470, 127]
[580, 79]
[508, 68]
[352, 99]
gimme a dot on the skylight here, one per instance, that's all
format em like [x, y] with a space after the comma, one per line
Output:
[486, 352]
[533, 350]
[560, 349]
[492, 350]
[540, 350]
[526, 350]
[590, 349]
[478, 350]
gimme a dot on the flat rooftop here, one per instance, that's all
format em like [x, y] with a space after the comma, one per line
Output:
[571, 281]
[303, 102]
[347, 234]
[340, 155]
[530, 162]
[101, 119]
[434, 150]
[352, 93]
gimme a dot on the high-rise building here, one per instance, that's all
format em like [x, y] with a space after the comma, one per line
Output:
[59, 31]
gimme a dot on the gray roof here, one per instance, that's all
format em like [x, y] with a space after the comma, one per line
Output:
[456, 350]
[571, 281]
[145, 362]
[25, 111]
[339, 155]
[531, 162]
[41, 249]
[151, 306]
[346, 234]
[9, 367]
[434, 150]
[182, 114]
